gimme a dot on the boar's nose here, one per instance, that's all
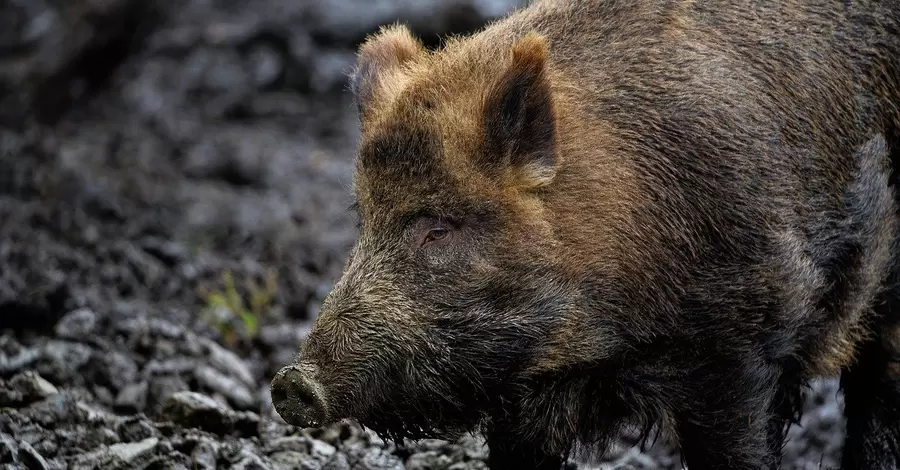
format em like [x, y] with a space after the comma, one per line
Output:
[297, 397]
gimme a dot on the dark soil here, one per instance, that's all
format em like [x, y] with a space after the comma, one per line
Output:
[147, 150]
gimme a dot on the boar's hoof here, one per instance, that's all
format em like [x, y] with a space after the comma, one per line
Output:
[297, 398]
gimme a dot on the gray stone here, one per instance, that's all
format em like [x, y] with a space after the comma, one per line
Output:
[236, 392]
[130, 452]
[321, 450]
[31, 458]
[24, 358]
[25, 388]
[119, 369]
[136, 429]
[194, 410]
[61, 360]
[339, 462]
[428, 460]
[135, 455]
[78, 324]
[163, 387]
[374, 458]
[247, 460]
[133, 397]
[294, 459]
[8, 448]
[227, 361]
[204, 455]
[165, 329]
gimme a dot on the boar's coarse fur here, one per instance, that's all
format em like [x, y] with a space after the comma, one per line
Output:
[603, 213]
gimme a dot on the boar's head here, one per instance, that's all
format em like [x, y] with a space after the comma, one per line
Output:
[452, 285]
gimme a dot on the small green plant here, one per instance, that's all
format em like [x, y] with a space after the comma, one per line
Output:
[227, 311]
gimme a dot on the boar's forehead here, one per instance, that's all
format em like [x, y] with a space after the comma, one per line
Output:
[400, 169]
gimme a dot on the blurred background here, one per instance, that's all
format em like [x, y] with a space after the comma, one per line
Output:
[174, 183]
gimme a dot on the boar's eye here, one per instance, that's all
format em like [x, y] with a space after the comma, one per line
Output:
[429, 231]
[436, 234]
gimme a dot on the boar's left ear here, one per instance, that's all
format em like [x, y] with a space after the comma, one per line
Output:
[519, 119]
[380, 54]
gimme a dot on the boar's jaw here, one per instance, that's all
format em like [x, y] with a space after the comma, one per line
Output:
[297, 397]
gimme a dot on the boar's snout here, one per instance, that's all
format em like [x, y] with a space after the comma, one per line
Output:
[297, 397]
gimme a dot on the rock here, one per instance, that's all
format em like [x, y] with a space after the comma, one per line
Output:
[136, 455]
[132, 397]
[8, 449]
[428, 460]
[165, 329]
[292, 459]
[116, 369]
[313, 453]
[163, 387]
[61, 361]
[130, 452]
[25, 388]
[321, 450]
[339, 462]
[247, 460]
[178, 365]
[474, 447]
[31, 458]
[227, 361]
[22, 359]
[193, 410]
[170, 253]
[236, 392]
[135, 429]
[375, 458]
[77, 324]
[204, 455]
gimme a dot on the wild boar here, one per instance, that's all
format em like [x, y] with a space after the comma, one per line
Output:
[593, 214]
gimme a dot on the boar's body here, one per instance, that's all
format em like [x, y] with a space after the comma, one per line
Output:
[598, 213]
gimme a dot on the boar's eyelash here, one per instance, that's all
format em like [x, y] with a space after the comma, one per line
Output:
[412, 217]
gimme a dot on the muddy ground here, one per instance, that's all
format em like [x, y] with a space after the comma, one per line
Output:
[150, 150]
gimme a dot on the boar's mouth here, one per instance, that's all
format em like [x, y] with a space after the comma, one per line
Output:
[393, 411]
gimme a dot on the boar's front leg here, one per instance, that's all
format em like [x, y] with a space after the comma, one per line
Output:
[725, 416]
[508, 452]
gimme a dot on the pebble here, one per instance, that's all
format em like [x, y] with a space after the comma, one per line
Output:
[247, 460]
[31, 458]
[195, 410]
[25, 388]
[119, 369]
[428, 460]
[162, 387]
[375, 458]
[130, 452]
[237, 393]
[78, 324]
[135, 455]
[8, 448]
[63, 359]
[132, 397]
[135, 428]
[204, 455]
[227, 362]
[11, 364]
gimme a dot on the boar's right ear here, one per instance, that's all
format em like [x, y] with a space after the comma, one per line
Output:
[519, 118]
[380, 54]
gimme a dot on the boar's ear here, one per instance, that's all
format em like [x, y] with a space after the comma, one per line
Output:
[380, 54]
[519, 120]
